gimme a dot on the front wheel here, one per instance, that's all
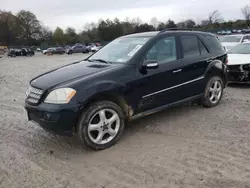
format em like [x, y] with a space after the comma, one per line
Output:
[101, 125]
[213, 92]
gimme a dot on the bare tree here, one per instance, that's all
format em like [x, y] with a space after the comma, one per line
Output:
[214, 17]
[136, 21]
[246, 12]
[154, 22]
[90, 26]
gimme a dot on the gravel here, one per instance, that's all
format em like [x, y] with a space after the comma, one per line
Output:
[186, 146]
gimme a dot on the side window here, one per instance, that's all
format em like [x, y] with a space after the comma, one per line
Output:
[190, 46]
[163, 51]
[202, 48]
[213, 43]
[244, 38]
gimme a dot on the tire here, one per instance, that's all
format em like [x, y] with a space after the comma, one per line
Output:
[70, 53]
[89, 136]
[213, 92]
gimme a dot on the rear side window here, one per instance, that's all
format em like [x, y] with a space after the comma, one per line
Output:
[213, 43]
[190, 46]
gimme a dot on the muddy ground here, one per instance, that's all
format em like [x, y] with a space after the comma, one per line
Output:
[186, 146]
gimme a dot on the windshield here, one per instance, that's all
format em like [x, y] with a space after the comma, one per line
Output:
[240, 49]
[120, 50]
[230, 38]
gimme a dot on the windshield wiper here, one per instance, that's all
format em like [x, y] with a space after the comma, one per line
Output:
[100, 60]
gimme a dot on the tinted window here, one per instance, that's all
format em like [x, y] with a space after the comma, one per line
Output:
[213, 43]
[163, 51]
[202, 48]
[190, 46]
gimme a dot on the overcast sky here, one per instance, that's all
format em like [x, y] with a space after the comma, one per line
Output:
[76, 13]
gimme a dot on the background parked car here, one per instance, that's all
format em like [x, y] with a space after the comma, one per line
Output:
[48, 50]
[3, 49]
[229, 41]
[58, 50]
[21, 52]
[94, 48]
[77, 49]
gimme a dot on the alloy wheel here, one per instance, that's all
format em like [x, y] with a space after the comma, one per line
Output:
[215, 91]
[103, 126]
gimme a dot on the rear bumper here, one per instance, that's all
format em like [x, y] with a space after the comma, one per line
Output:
[59, 119]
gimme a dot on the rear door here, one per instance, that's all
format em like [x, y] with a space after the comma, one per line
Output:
[195, 59]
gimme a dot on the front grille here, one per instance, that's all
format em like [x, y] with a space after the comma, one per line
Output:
[33, 95]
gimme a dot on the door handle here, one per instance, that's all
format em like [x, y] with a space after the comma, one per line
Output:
[179, 70]
[209, 60]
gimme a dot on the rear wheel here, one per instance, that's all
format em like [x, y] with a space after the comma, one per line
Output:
[101, 125]
[213, 92]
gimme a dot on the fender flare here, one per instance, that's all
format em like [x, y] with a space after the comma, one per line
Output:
[216, 67]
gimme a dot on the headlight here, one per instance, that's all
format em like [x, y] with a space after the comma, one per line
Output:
[60, 96]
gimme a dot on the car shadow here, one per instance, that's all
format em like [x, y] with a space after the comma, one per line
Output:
[239, 85]
[160, 119]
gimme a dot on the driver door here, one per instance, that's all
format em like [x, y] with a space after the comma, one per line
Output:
[158, 87]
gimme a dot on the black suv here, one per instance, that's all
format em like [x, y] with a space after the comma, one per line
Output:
[131, 77]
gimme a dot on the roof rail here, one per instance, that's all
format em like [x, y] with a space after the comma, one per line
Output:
[175, 29]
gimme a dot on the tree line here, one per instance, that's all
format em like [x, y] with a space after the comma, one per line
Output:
[24, 28]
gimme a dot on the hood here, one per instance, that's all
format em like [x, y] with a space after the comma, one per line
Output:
[238, 59]
[69, 73]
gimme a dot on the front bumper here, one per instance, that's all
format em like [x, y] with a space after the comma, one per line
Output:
[239, 74]
[59, 119]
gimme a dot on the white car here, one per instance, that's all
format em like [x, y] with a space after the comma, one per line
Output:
[94, 48]
[239, 63]
[49, 49]
[229, 41]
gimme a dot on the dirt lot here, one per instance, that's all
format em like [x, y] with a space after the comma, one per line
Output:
[187, 146]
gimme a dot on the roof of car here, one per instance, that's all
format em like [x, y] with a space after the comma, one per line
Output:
[154, 33]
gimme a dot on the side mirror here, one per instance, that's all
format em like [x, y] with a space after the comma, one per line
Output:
[246, 40]
[150, 64]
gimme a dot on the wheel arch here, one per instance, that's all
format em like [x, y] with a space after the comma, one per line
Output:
[217, 68]
[113, 97]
